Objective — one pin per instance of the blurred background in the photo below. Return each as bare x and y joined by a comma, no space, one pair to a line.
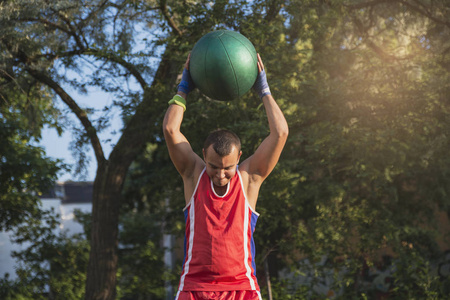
357,208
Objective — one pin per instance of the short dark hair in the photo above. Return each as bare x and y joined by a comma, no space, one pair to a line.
222,141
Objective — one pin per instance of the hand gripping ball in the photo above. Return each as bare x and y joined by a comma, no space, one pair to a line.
223,65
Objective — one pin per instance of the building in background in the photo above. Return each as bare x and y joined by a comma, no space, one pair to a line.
64,199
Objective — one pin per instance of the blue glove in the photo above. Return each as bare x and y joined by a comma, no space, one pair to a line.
186,85
261,85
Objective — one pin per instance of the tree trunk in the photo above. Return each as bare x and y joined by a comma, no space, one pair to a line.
102,268
266,272
139,130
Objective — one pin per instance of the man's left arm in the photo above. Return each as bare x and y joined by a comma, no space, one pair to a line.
265,158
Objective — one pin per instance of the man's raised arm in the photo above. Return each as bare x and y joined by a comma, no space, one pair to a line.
262,162
180,151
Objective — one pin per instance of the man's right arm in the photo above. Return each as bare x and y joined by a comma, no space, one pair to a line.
186,161
180,151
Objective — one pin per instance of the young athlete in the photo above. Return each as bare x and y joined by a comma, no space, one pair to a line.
221,198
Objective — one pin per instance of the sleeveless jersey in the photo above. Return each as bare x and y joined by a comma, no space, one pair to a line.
219,247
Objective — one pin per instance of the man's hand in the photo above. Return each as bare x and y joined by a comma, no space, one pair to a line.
261,85
186,85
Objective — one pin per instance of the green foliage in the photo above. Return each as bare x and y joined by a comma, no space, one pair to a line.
14,290
364,86
26,106
52,264
25,171
413,277
142,273
281,290
364,167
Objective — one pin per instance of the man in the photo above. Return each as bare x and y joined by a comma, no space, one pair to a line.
221,198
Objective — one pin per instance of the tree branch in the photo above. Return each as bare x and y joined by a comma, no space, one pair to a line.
273,10
383,55
137,131
72,31
96,12
119,60
170,21
424,13
80,113
367,4
417,9
98,54
45,22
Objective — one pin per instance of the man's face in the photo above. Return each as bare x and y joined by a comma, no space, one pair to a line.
221,169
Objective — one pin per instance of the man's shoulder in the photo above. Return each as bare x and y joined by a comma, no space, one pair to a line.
196,172
247,176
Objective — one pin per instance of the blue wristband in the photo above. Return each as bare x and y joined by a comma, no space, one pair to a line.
186,85
261,85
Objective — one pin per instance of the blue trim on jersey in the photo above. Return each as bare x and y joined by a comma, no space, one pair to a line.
186,211
254,219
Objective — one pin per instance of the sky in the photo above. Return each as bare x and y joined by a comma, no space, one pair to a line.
58,147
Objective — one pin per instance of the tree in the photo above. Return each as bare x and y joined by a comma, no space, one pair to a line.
54,264
360,140
25,107
364,87
357,150
44,40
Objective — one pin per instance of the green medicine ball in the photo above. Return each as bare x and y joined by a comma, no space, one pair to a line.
223,65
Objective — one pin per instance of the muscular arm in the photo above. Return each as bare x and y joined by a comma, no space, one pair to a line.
258,166
266,156
180,151
186,161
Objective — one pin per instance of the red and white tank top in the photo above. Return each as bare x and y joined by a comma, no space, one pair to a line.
219,251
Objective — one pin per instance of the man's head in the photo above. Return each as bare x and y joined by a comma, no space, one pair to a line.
221,152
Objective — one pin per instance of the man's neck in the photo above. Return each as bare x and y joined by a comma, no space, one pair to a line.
220,190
